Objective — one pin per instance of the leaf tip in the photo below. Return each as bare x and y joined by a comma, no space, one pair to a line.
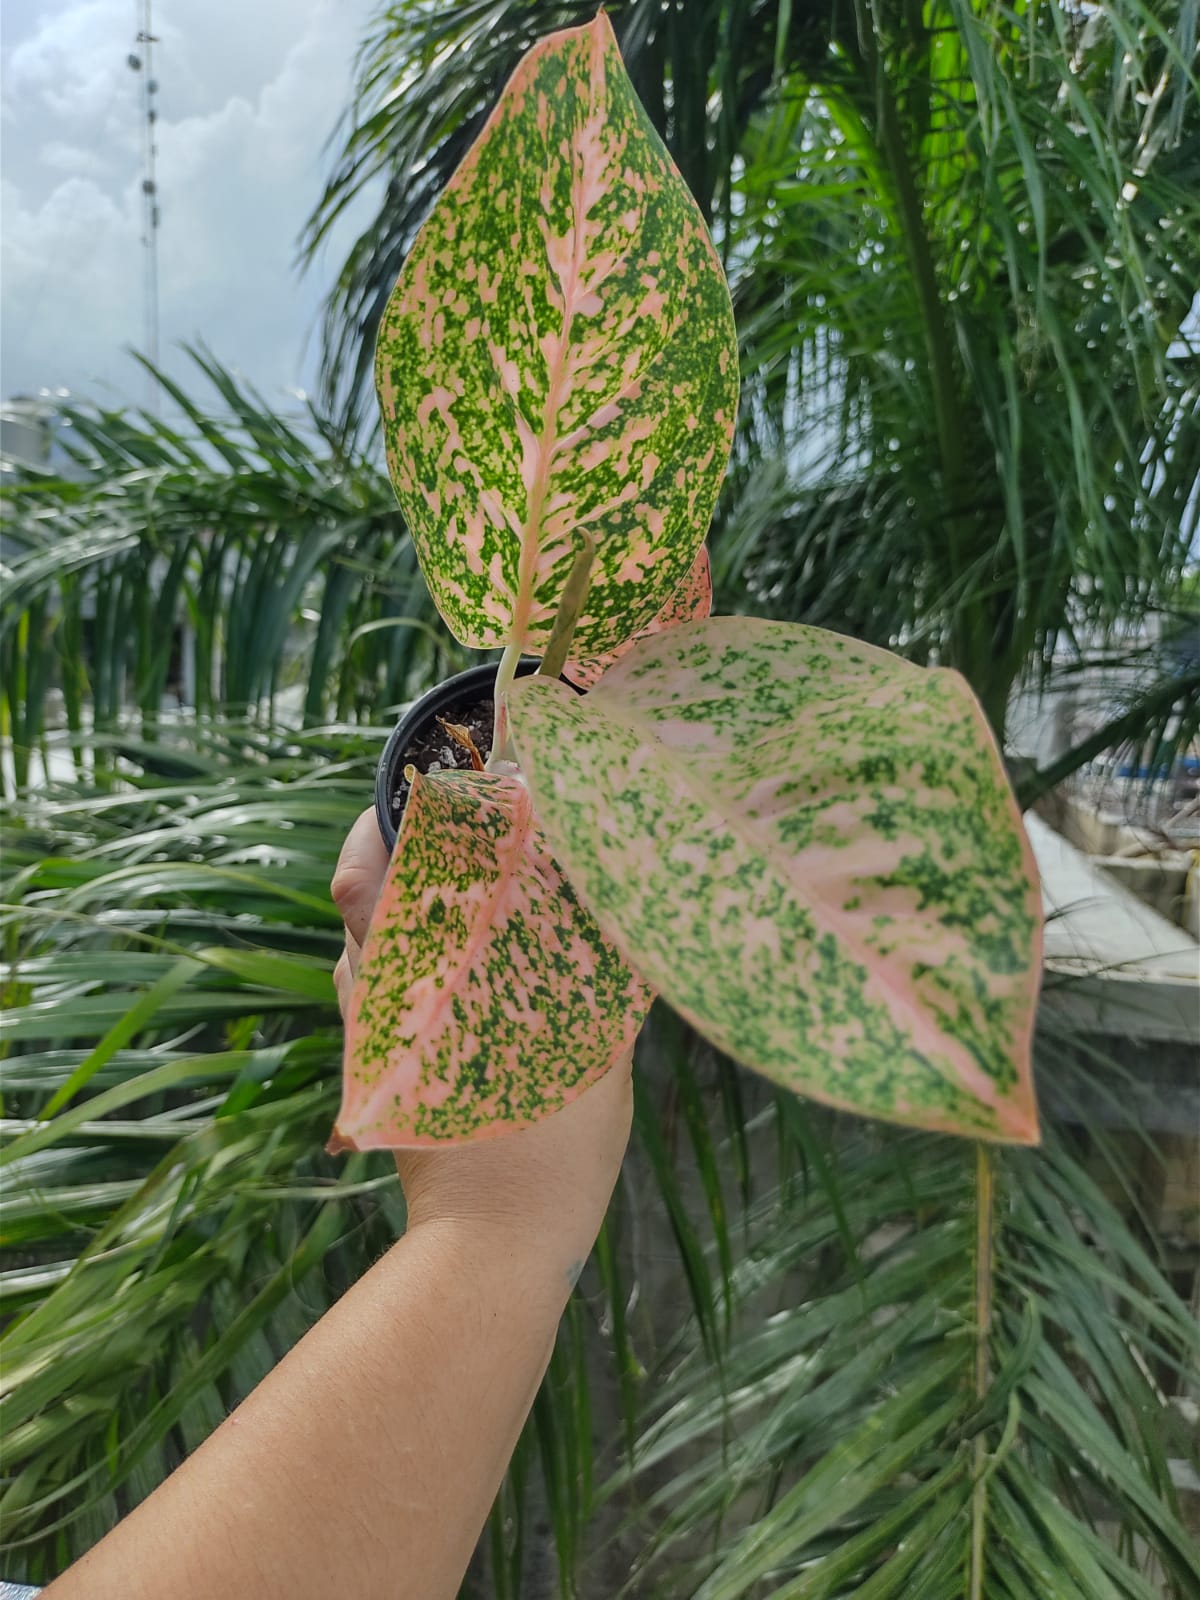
1019,1124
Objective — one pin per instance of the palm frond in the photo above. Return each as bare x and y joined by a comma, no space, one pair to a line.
963,247
172,1060
172,1071
283,559
974,1402
963,268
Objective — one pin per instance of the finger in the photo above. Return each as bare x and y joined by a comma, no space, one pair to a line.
343,983
359,875
345,971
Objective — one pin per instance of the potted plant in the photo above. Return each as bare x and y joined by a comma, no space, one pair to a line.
806,844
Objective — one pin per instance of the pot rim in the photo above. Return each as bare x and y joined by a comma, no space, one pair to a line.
421,712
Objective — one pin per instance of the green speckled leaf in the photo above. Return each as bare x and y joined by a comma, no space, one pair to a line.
692,600
559,355
810,847
486,996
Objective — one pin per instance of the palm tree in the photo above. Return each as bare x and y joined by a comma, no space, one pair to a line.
963,244
906,1368
840,1415
947,1446
171,1227
282,553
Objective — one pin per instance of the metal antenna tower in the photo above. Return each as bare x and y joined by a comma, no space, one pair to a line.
141,60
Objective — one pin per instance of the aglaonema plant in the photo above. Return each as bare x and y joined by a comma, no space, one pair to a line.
807,845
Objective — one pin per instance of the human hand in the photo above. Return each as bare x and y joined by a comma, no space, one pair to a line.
548,1185
377,1445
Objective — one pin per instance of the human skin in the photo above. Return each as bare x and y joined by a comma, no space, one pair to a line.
365,1464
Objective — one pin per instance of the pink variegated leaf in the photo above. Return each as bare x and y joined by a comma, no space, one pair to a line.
558,358
691,601
811,848
486,996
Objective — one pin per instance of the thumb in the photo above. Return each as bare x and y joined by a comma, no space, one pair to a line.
358,877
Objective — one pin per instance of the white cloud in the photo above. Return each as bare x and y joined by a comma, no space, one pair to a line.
244,110
74,66
74,159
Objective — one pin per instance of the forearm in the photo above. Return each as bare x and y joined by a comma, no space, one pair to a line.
365,1464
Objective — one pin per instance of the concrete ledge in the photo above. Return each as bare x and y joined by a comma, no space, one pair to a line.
1125,1005
1159,881
1113,964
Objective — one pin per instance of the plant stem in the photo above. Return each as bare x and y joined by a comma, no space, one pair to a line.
505,673
909,216
984,1266
569,607
555,659
971,648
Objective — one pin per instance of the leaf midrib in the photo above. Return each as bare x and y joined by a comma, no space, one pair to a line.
531,529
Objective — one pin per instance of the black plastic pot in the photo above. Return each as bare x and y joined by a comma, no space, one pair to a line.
474,684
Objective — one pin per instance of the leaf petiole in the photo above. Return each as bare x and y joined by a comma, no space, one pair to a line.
570,608
501,743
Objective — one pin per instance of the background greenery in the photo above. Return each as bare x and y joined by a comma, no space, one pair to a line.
962,240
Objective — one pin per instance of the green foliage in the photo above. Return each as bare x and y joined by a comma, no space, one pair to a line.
284,555
963,241
172,1228
168,932
861,1439
970,247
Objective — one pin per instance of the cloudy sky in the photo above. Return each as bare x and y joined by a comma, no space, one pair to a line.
247,97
